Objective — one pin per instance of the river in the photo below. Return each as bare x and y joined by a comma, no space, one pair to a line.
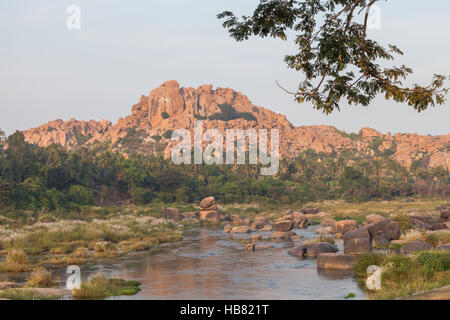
210,264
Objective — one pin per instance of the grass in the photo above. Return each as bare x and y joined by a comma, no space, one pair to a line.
405,275
40,278
102,287
16,261
25,294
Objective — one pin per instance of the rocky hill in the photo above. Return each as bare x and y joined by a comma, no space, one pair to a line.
170,107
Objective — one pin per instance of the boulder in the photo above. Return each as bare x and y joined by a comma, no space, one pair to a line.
241,229
328,222
280,235
173,214
209,215
344,226
207,202
361,233
313,249
334,261
419,224
283,225
445,215
357,245
391,231
256,237
300,220
250,247
372,218
327,230
227,228
262,220
416,245
439,226
257,226
267,227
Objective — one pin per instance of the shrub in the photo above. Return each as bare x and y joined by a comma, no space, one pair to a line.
40,278
431,239
365,260
434,261
398,270
165,115
404,221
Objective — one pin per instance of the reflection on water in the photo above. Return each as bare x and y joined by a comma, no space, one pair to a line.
209,264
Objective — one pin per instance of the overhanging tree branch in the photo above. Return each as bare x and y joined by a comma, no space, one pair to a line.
331,54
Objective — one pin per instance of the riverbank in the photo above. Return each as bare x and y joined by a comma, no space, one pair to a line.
100,236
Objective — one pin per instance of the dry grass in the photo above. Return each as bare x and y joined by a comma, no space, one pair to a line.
40,278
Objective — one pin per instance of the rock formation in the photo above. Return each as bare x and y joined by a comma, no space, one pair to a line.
171,107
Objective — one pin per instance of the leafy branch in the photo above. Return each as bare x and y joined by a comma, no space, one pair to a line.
334,53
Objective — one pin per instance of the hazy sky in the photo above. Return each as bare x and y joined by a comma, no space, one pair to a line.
126,48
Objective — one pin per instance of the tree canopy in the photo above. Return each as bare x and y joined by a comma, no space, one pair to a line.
337,58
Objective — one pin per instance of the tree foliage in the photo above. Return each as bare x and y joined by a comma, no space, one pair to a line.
335,54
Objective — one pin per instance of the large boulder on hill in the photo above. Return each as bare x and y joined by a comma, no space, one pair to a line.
344,226
439,226
358,245
283,225
416,245
207,202
335,261
313,249
173,214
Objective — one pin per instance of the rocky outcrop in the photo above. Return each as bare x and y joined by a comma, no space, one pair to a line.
171,107
313,249
208,209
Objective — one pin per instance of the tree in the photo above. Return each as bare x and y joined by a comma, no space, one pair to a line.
337,58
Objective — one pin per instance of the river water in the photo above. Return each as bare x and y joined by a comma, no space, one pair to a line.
210,264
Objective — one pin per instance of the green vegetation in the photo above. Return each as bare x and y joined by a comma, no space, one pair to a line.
101,287
405,275
165,115
227,113
25,294
46,183
337,58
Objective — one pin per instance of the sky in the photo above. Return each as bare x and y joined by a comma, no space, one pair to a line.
126,48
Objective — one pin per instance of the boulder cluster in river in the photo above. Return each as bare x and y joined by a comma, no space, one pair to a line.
375,231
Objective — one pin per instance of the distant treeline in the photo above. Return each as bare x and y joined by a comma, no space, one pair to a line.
52,178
